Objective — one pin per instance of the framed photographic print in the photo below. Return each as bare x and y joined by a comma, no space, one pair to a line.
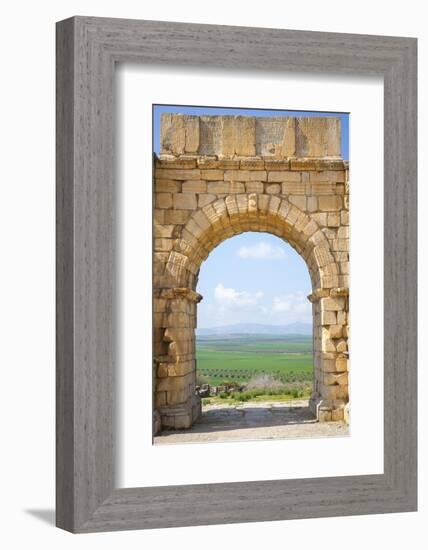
236,274
273,177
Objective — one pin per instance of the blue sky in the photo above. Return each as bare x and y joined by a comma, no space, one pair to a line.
253,277
159,109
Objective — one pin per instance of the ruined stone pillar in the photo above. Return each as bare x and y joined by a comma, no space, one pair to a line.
174,363
330,337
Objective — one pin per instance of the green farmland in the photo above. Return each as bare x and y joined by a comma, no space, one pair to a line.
241,357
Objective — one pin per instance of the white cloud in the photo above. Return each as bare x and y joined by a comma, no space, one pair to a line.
229,306
261,251
294,304
281,305
229,297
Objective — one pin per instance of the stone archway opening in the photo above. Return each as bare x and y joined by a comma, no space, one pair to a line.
222,176
254,336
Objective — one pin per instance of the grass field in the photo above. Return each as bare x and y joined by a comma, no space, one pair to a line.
238,358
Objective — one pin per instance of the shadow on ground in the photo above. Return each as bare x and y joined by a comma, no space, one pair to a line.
46,515
250,421
231,418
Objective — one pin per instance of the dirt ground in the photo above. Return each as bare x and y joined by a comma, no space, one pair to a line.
252,421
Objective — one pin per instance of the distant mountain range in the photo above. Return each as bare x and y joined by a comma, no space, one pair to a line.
254,328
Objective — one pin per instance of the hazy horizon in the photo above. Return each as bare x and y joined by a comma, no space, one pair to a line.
254,324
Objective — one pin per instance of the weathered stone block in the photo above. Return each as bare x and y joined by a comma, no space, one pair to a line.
176,216
178,174
341,345
159,215
160,398
344,281
293,188
273,188
333,304
329,378
254,187
205,198
175,397
163,200
276,165
192,134
324,416
298,200
312,204
289,145
340,245
236,175
341,364
252,164
212,175
259,175
182,421
209,162
163,231
218,187
344,217
341,317
194,229
173,134
282,176
167,186
320,218
242,203
335,176
231,206
330,203
330,392
236,187
318,137
333,219
163,245
343,232
252,203
328,318
323,188
195,186
347,413
245,136
322,255
337,415
310,228
303,165
184,201
342,392
170,161
335,331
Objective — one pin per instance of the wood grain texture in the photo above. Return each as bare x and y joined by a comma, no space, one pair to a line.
64,278
87,49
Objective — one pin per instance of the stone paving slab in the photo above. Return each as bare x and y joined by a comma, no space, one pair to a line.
253,421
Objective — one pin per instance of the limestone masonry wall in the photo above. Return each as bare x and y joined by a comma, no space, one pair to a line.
220,176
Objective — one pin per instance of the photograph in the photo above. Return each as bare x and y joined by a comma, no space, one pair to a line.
250,274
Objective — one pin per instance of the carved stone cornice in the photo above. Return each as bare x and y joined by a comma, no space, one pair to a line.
180,292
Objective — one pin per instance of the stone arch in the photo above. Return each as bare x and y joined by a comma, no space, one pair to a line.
202,200
234,214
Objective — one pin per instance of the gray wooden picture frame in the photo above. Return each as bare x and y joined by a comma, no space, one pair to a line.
87,50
